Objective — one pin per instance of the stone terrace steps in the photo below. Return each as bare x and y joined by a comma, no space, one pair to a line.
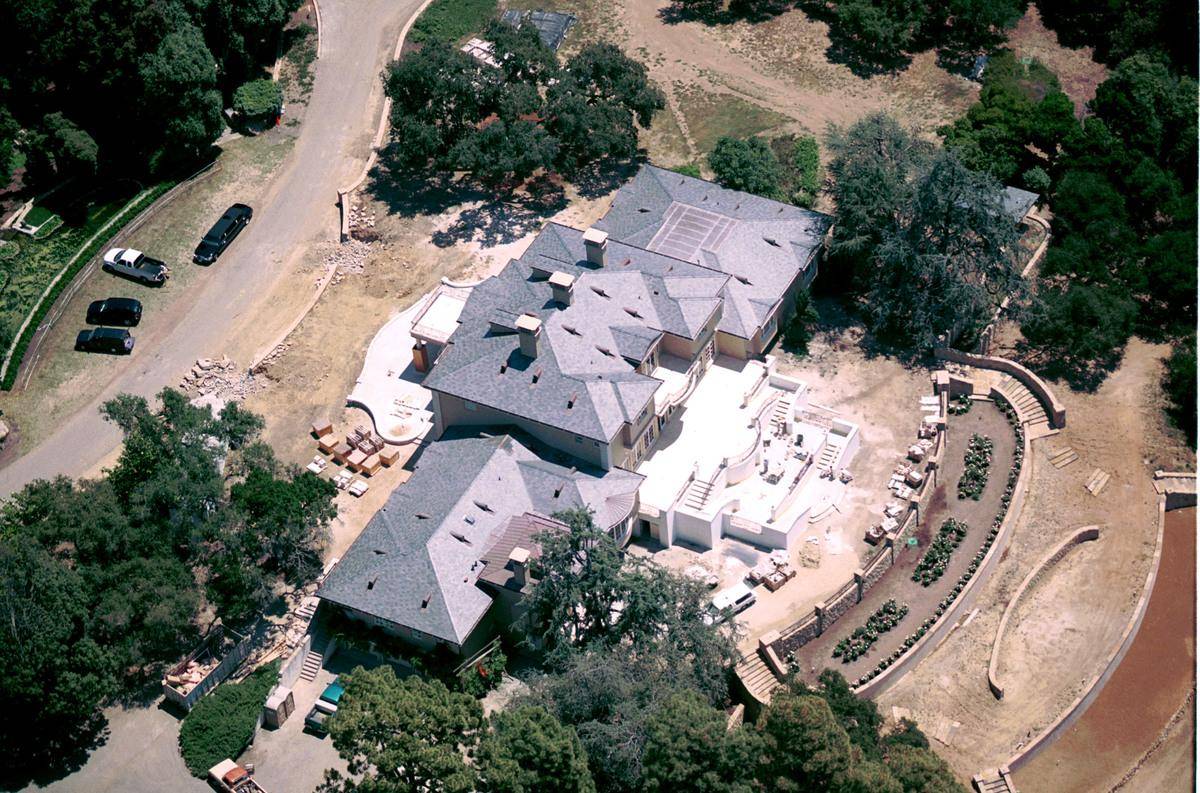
1061,458
757,677
1029,409
829,455
993,782
1097,481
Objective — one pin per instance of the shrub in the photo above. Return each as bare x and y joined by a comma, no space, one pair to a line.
480,678
688,169
258,100
976,463
221,725
863,638
746,164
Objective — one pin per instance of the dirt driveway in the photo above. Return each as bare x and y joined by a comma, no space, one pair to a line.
234,310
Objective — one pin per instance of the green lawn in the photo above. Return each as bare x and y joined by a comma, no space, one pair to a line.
36,216
709,116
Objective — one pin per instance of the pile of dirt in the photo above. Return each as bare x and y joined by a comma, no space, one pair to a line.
349,258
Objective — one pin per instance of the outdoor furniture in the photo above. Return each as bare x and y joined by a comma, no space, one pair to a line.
916,453
317,465
893,510
341,452
845,477
322,428
358,488
875,535
342,480
914,479
775,580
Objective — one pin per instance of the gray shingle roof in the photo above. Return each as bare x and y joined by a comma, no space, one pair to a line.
585,383
762,243
1018,202
418,560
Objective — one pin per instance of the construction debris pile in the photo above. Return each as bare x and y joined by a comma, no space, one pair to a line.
349,259
195,671
361,218
219,377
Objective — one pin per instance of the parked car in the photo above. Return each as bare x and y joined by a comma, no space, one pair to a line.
317,720
136,266
116,341
123,311
729,602
236,218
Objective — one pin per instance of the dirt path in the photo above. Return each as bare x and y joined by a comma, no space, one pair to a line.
1155,676
1062,637
238,306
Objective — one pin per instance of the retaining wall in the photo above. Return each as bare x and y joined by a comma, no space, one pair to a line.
1094,686
1055,410
1085,534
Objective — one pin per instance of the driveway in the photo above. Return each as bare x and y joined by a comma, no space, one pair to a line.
357,39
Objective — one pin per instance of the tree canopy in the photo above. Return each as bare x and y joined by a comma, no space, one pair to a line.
452,113
106,579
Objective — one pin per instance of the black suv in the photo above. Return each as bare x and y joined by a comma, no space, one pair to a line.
236,218
111,340
123,311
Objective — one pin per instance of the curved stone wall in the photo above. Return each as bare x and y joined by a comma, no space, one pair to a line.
1085,534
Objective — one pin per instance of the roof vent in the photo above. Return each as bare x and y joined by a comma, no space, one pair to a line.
460,537
482,505
469,519
422,516
627,262
425,601
644,210
604,351
633,312
503,367
537,374
571,399
380,552
558,490
371,583
571,329
599,291
771,241
743,279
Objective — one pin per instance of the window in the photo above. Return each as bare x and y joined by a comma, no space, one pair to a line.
578,439
470,405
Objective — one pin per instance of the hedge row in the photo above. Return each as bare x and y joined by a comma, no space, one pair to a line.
222,724
451,20
22,345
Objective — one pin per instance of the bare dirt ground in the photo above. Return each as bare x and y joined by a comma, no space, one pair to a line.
1076,69
1171,768
1075,618
1154,679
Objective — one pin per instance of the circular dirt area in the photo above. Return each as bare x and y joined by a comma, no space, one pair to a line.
1147,689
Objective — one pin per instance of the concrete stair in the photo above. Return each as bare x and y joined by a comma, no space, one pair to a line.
757,677
779,416
697,494
829,455
316,656
994,782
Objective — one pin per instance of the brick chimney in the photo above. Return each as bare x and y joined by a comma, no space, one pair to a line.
518,562
594,242
529,329
562,286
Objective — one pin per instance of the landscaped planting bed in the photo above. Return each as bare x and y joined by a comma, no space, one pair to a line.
959,405
976,465
937,557
864,637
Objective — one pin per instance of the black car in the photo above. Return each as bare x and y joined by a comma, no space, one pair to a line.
236,218
124,311
111,340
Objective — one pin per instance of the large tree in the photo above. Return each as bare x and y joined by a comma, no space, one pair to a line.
807,750
689,746
528,750
948,262
746,164
406,735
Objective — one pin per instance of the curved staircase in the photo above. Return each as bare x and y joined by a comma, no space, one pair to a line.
756,677
1029,408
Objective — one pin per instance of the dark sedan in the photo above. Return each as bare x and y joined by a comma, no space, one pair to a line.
123,311
236,218
116,341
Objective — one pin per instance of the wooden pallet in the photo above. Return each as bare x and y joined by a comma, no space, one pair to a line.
1061,458
1096,482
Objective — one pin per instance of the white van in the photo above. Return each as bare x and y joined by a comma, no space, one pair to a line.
733,600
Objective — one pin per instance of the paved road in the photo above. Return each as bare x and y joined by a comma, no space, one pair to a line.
357,38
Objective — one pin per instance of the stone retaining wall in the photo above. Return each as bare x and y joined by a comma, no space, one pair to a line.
1094,686
1085,534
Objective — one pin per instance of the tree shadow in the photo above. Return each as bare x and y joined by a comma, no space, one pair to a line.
55,759
863,60
604,176
1080,374
506,218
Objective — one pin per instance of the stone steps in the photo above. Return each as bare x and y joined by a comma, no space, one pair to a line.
1063,457
1096,482
757,677
697,494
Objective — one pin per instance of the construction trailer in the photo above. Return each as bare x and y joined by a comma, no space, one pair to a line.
221,652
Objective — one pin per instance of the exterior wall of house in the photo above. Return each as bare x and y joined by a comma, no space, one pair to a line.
733,346
450,411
